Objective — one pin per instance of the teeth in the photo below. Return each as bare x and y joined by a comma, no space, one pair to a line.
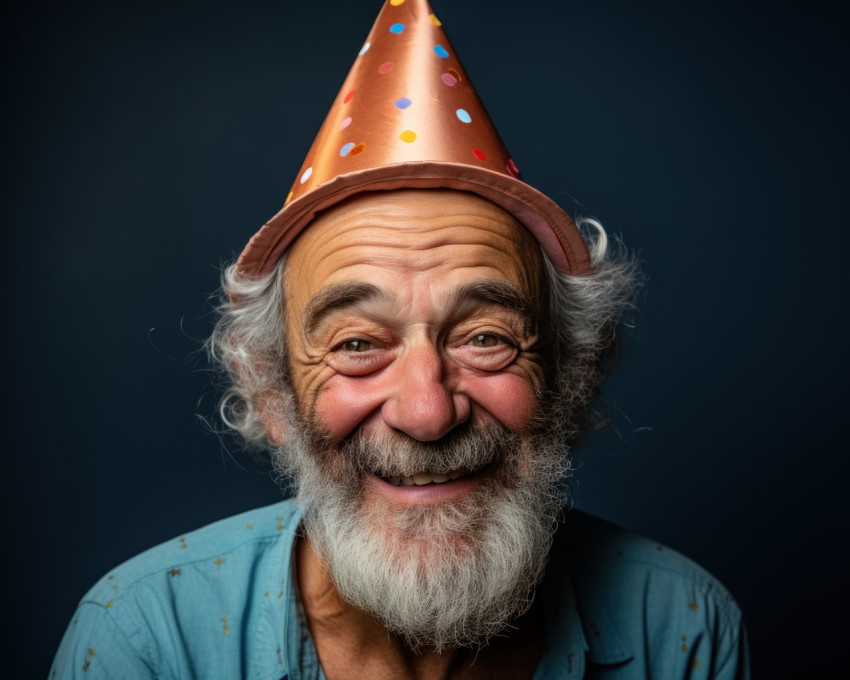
455,475
422,478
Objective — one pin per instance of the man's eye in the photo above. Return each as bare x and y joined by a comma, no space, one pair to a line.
356,346
485,340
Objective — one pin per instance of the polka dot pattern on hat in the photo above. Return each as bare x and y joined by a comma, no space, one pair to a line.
405,76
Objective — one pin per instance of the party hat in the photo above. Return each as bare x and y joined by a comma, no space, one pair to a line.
407,117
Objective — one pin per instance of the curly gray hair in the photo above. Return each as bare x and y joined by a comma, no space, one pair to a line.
248,342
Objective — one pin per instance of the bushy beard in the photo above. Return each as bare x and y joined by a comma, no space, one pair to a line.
439,576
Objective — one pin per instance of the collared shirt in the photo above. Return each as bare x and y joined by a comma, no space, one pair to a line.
221,602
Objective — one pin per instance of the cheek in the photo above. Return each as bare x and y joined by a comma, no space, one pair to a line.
344,402
506,397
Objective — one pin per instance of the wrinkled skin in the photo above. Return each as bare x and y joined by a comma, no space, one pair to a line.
410,312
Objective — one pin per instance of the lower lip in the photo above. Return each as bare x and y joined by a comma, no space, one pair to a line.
427,494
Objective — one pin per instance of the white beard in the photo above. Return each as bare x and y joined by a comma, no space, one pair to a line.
439,576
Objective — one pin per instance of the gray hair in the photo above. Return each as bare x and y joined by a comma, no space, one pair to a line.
248,343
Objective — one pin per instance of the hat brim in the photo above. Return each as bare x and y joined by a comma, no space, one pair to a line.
549,224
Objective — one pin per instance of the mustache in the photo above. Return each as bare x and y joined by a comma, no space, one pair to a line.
469,448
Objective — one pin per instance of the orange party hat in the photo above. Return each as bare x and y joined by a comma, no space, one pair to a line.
407,117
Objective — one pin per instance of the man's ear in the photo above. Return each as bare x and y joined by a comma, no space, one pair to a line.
272,410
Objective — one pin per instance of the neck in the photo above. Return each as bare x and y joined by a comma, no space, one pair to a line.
347,638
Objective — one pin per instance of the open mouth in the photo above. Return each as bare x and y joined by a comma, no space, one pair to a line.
430,478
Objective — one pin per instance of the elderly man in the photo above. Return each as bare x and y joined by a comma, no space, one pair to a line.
417,337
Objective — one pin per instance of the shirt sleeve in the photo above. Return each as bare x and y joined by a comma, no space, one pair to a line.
95,647
735,664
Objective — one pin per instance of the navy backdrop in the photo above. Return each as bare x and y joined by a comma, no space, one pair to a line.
145,142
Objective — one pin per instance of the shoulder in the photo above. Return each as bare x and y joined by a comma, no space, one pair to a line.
190,600
246,535
645,601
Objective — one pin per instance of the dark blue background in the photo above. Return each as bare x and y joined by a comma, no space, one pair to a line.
145,143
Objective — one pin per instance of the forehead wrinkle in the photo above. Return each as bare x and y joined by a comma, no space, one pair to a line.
336,297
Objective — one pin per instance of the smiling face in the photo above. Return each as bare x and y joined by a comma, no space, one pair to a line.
412,336
413,312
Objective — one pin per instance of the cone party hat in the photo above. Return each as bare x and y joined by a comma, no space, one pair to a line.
407,117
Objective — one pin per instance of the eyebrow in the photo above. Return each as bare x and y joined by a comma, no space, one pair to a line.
335,297
494,291
340,296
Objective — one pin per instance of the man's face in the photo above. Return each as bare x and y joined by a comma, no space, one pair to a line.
413,312
411,327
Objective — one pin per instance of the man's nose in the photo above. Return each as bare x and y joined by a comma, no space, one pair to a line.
423,403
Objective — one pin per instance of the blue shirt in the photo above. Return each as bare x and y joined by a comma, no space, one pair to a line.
221,602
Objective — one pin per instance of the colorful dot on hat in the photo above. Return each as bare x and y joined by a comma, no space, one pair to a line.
348,97
479,154
403,103
346,148
345,123
441,51
306,175
454,74
365,48
396,3
288,198
396,28
386,67
449,79
512,169
358,149
407,136
463,115
435,20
